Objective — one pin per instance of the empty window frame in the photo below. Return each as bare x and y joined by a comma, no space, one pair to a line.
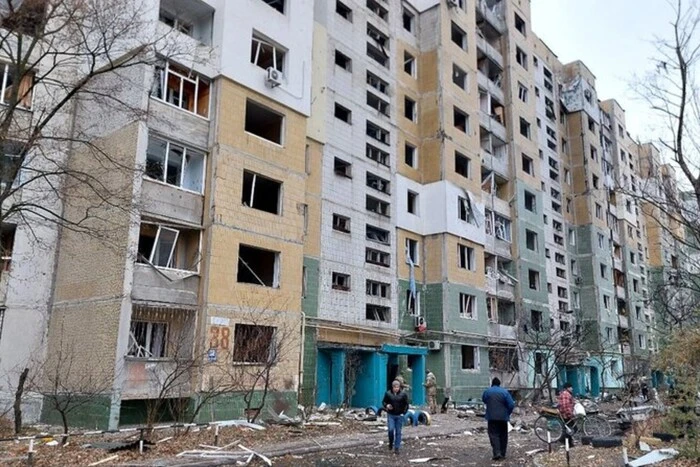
169,247
470,357
276,4
459,37
17,86
376,132
521,57
265,54
340,281
174,164
466,257
378,183
463,165
254,344
341,223
410,109
530,201
378,55
343,61
7,241
409,20
342,168
183,89
409,64
342,113
413,302
531,240
258,266
522,92
464,210
376,257
460,120
375,234
377,206
343,10
533,278
377,83
264,122
459,77
528,164
410,155
412,202
467,306
412,252
524,128
377,9
536,320
520,25
261,193
377,103
378,289
377,313
377,155
147,339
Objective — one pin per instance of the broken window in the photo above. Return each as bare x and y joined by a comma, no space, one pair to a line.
528,164
341,281
377,83
408,20
467,306
377,206
520,25
459,37
470,357
377,155
264,122
540,364
522,92
376,234
378,183
533,279
343,113
253,344
413,303
377,9
504,359
378,133
378,104
409,108
276,4
258,266
377,257
412,254
261,193
410,156
7,241
341,223
459,77
377,54
521,57
524,128
502,228
464,211
409,64
174,164
536,320
343,61
378,289
462,165
530,202
377,313
342,168
16,88
147,339
412,202
265,54
169,247
466,257
181,88
531,240
460,120
343,10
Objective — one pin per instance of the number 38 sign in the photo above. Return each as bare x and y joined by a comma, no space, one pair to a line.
219,337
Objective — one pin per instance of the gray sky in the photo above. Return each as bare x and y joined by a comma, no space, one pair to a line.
613,38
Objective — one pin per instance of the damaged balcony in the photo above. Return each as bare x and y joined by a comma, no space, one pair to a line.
492,115
494,154
498,234
167,265
499,281
501,316
489,14
159,357
488,44
492,87
491,69
504,363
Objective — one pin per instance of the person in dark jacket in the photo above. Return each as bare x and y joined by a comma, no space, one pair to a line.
396,405
499,406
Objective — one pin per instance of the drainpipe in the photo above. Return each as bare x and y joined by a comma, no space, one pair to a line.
301,356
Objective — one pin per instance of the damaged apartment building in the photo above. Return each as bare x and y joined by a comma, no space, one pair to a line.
346,190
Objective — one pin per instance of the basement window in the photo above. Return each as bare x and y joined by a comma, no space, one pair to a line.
169,247
265,54
343,113
377,155
377,206
182,88
263,122
147,339
174,164
470,357
344,11
342,168
377,257
258,266
378,183
462,165
460,120
253,344
341,281
467,306
343,61
378,289
378,235
341,223
377,313
459,37
276,4
261,193
378,104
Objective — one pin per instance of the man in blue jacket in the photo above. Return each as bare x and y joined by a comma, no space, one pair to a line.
499,406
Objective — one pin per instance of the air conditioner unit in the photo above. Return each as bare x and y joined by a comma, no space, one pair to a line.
420,324
434,345
274,77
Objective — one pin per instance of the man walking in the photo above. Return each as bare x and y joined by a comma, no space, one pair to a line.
431,388
565,404
396,405
499,406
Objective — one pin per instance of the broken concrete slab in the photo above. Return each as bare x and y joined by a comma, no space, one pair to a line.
654,457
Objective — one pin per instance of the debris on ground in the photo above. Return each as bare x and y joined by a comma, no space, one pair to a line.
654,457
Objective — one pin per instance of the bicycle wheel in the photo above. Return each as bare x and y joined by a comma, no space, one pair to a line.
549,424
596,427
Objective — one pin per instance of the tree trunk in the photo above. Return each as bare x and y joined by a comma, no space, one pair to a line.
18,400
64,421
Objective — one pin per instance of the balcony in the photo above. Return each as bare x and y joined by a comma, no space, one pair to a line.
172,286
488,50
502,331
617,263
168,202
495,204
492,12
623,321
489,122
489,86
499,288
620,291
145,378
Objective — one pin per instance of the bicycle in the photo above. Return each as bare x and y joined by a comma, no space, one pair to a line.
550,421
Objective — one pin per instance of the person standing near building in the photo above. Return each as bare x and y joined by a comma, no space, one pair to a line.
396,405
431,388
565,404
499,406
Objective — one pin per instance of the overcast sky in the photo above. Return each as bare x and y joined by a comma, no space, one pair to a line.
613,38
